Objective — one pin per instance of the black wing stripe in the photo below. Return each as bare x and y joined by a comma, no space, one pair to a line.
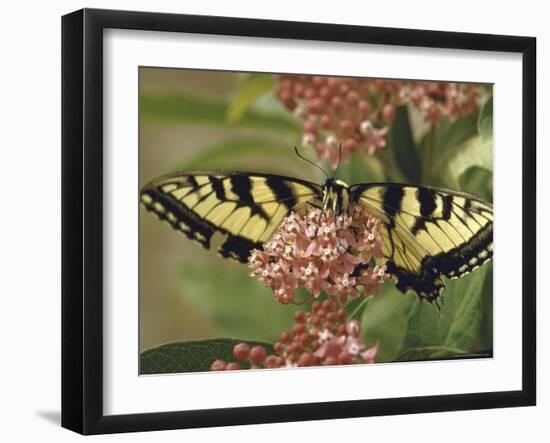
283,192
447,201
193,182
426,197
241,185
393,209
391,202
217,186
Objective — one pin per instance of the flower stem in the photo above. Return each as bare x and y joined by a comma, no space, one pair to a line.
360,307
304,301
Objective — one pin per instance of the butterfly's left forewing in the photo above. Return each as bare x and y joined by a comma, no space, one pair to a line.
428,232
231,213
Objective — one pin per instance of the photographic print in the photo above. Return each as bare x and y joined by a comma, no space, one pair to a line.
291,220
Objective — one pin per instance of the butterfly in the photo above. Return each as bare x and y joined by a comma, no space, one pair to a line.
427,232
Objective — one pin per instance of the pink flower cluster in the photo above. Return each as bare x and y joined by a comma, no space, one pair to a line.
358,112
322,252
323,336
351,110
438,99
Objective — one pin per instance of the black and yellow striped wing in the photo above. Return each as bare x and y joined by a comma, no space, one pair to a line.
428,232
229,212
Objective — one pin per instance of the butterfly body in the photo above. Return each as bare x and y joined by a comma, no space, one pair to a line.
427,232
336,196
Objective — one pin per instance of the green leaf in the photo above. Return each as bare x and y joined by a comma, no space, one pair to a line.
357,306
429,353
191,110
485,339
191,356
474,152
441,143
385,320
239,305
240,152
249,89
448,135
477,181
457,325
362,169
465,149
404,147
485,121
386,167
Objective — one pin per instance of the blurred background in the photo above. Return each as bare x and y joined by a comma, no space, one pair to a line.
213,120
187,292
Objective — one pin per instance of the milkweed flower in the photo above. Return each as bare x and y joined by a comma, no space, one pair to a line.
320,251
323,336
435,100
334,109
357,113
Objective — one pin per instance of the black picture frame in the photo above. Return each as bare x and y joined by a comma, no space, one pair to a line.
82,219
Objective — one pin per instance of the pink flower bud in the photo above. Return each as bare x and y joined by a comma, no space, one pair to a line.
353,328
363,107
326,121
257,355
388,112
218,365
346,127
241,351
316,106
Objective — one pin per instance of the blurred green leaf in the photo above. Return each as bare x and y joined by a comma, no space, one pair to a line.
239,305
448,135
446,139
387,171
191,110
477,181
462,145
485,121
237,150
404,147
249,89
474,152
385,320
429,353
191,356
484,340
362,169
269,104
457,325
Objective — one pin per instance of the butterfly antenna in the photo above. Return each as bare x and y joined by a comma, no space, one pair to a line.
309,161
339,160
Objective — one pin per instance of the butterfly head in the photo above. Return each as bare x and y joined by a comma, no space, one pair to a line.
335,192
335,195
